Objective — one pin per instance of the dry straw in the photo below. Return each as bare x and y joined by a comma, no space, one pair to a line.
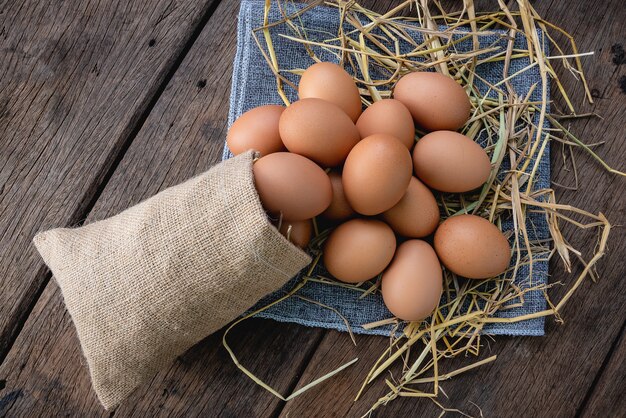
467,306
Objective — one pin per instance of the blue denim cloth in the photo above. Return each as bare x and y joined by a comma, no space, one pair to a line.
253,84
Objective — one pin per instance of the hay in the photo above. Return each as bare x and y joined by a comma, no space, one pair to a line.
455,327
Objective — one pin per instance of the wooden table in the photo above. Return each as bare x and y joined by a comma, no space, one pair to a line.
103,104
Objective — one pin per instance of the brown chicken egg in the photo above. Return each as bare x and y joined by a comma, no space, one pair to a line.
332,83
450,162
413,282
376,174
318,130
416,214
298,232
339,208
256,129
291,185
359,250
388,116
472,247
435,101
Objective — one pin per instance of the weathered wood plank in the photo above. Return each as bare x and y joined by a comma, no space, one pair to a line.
607,397
547,376
75,81
182,137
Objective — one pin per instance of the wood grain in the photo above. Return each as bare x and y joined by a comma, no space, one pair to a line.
75,81
182,136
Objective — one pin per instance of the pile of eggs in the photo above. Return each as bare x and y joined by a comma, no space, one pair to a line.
322,156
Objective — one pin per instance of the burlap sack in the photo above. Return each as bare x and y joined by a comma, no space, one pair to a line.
144,286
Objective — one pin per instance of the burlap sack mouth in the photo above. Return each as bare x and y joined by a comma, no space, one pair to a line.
145,285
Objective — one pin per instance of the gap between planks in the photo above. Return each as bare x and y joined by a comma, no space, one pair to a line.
80,215
592,388
297,377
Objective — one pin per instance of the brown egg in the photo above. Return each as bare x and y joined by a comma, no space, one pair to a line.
359,250
339,208
416,214
472,247
332,83
256,129
413,282
388,116
435,101
376,174
318,130
292,185
450,162
298,232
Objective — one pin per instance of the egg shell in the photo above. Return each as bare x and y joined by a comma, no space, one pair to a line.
413,282
291,185
472,247
359,250
339,208
298,232
435,101
318,130
388,116
450,162
416,215
376,174
257,129
332,83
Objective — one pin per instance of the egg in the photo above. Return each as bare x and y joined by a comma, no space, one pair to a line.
450,162
472,247
388,116
339,208
318,130
256,129
413,282
376,174
332,83
435,101
416,214
298,232
291,185
359,250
